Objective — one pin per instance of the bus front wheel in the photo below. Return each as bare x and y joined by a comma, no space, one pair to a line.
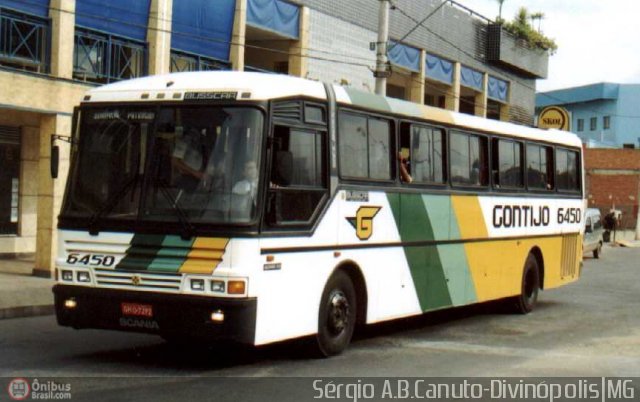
337,315
530,287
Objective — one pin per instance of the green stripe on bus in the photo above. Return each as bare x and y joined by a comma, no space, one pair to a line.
172,255
424,261
141,253
452,256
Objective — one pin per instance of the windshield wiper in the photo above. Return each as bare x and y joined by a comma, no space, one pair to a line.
187,227
108,206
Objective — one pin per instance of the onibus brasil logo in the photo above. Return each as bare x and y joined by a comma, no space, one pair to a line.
19,389
363,221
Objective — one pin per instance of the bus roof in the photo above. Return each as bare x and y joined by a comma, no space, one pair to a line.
261,86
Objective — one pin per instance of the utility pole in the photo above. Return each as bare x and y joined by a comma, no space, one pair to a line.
382,72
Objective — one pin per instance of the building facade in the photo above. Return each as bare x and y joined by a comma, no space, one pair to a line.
613,182
52,51
602,115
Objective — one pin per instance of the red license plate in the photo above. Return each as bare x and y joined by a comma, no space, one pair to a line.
136,309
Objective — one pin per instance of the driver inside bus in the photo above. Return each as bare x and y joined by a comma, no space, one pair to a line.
249,184
188,159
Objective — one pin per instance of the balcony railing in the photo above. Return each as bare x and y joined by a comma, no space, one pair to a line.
190,62
105,58
24,41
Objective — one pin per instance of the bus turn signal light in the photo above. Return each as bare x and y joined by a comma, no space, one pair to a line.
236,287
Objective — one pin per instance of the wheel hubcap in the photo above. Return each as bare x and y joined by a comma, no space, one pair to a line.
338,318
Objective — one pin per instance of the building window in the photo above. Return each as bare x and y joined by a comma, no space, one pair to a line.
9,180
364,146
181,62
24,41
593,124
606,122
580,125
105,58
468,155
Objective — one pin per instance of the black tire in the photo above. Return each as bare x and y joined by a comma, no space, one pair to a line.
597,251
530,287
337,315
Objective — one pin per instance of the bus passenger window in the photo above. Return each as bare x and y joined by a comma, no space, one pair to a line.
539,167
507,164
365,147
567,170
423,148
468,155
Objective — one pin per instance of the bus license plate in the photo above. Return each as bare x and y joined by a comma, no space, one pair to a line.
136,309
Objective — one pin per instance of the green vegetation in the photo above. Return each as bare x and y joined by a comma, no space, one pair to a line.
523,30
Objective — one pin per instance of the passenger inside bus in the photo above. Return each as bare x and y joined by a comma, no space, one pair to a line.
405,166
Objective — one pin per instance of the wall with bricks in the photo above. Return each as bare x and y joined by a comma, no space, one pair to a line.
613,180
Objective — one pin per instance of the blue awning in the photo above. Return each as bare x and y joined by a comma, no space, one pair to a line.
274,15
497,89
439,69
125,18
34,7
471,78
203,27
404,56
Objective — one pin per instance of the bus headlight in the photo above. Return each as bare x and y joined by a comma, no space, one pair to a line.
67,275
197,285
83,276
217,286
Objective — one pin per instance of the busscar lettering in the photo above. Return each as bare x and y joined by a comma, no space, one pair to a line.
520,216
210,96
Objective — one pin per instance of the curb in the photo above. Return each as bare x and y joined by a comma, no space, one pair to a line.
26,311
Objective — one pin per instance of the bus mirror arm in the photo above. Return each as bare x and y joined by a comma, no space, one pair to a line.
55,153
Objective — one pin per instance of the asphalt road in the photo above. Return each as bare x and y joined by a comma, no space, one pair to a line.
590,328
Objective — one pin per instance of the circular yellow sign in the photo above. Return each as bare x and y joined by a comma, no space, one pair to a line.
554,117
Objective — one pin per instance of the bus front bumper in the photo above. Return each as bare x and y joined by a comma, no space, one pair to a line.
170,315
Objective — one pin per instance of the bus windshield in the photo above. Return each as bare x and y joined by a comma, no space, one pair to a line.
183,164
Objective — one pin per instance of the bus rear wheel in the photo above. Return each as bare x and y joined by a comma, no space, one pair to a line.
530,287
337,315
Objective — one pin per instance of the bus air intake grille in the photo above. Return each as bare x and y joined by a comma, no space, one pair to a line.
157,282
569,251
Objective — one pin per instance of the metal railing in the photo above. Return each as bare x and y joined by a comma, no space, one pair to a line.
105,58
24,41
181,61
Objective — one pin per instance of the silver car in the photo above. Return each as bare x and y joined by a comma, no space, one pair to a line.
593,232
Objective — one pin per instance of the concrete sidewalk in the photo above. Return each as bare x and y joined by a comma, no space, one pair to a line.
22,294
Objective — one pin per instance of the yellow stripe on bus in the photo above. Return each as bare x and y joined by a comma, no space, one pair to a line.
205,256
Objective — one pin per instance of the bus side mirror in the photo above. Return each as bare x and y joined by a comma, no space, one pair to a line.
282,168
55,161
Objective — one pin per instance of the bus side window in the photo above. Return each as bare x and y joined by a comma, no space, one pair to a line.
297,182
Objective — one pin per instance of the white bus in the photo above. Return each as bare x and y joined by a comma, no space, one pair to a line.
259,208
